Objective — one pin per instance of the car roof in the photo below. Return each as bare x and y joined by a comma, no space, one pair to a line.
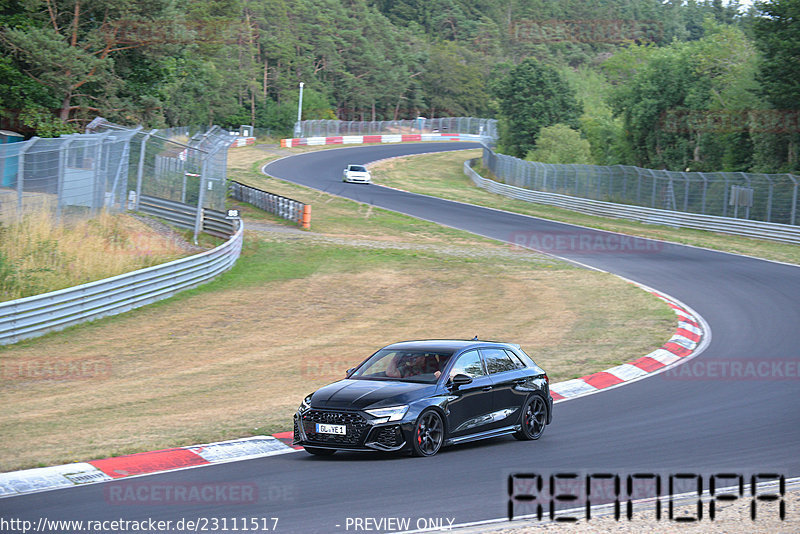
450,345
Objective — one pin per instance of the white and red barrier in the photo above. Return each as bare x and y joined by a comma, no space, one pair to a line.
243,141
377,138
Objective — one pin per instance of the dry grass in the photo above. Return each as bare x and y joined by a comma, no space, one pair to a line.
38,255
235,357
236,361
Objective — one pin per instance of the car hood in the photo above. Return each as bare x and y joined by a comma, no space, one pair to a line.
360,394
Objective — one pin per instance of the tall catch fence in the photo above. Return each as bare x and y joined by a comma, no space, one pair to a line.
111,167
465,125
749,196
739,195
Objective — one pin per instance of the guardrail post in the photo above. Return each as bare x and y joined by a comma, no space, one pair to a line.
793,216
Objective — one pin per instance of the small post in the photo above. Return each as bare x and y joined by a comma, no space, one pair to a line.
307,216
298,132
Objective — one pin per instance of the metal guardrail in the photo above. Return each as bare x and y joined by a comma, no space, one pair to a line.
185,215
743,227
283,207
34,316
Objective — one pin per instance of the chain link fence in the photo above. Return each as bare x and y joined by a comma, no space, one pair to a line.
465,125
758,197
750,196
110,167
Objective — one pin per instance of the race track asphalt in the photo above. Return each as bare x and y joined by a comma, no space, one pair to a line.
663,424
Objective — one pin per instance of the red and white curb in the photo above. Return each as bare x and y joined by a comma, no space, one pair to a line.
145,463
689,336
385,138
683,344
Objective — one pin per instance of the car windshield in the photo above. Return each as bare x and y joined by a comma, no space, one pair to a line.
358,168
403,365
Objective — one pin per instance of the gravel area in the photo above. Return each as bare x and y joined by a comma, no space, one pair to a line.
285,233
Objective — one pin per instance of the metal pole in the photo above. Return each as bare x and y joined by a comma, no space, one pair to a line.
769,198
794,201
298,128
21,175
140,170
198,220
62,164
705,188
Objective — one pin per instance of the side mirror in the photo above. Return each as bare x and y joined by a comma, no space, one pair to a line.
349,372
460,380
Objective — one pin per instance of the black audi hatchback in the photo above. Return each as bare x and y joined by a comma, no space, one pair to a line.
419,396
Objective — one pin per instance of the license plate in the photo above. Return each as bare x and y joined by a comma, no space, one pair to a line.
339,430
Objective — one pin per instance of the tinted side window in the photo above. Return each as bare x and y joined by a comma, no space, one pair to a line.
497,361
516,359
468,364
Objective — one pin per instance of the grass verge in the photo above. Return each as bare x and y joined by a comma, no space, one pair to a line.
38,255
234,357
442,175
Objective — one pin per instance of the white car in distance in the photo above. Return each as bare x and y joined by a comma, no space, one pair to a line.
357,174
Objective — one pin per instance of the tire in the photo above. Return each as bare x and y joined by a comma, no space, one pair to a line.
319,452
428,433
534,419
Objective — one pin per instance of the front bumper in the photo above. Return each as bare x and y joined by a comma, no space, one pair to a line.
362,434
358,179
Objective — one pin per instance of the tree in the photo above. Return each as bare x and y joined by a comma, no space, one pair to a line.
533,96
560,144
68,47
453,83
777,34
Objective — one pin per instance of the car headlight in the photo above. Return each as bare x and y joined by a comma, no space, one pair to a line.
305,405
384,415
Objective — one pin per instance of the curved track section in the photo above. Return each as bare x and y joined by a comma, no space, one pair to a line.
681,424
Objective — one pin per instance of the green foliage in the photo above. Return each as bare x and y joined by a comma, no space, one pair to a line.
777,36
44,123
532,64
533,96
670,104
560,144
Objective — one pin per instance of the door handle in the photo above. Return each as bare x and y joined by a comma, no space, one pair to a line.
487,388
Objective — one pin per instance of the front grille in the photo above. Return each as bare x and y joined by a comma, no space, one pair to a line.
356,425
387,436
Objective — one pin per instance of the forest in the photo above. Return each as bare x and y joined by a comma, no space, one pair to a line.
681,85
